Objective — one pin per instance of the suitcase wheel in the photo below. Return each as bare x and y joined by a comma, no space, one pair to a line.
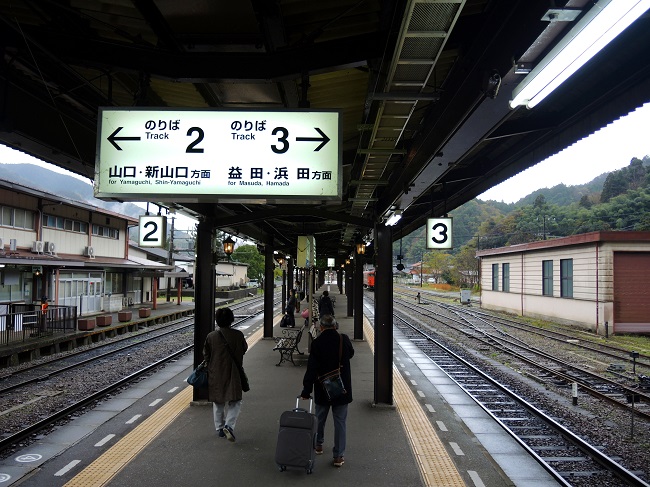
282,468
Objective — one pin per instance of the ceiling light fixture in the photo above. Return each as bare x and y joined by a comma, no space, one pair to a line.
598,27
394,218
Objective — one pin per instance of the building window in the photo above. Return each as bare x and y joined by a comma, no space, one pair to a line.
566,278
505,278
60,223
495,277
16,218
114,283
547,277
101,231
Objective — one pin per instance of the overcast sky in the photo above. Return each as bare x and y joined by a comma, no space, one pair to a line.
610,148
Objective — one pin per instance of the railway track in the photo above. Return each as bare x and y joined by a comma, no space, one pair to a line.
37,397
538,363
571,460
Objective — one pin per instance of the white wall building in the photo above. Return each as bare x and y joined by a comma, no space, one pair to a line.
73,253
596,280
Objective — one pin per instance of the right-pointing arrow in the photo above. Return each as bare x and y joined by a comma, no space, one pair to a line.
323,139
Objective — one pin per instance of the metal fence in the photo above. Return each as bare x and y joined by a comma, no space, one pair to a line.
25,321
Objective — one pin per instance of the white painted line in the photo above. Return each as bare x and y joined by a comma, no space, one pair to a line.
456,448
155,402
421,394
105,440
430,408
475,478
406,372
413,382
402,365
67,468
133,419
172,390
442,426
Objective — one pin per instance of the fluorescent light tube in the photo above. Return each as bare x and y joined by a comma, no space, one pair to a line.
394,218
599,26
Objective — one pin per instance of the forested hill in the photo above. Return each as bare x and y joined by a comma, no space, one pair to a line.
37,177
619,200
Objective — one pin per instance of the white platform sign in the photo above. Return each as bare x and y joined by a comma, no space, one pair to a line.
206,155
152,231
439,233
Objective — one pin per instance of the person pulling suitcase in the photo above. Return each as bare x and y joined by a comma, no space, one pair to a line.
330,352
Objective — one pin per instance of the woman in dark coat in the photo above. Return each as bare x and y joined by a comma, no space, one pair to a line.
291,308
224,382
325,305
323,358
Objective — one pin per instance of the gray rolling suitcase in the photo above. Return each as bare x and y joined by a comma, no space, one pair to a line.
297,439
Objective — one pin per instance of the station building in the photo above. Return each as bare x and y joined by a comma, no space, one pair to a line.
599,281
73,253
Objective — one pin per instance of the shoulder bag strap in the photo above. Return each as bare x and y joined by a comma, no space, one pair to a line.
340,349
232,355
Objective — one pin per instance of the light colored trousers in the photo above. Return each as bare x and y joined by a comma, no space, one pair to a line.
226,414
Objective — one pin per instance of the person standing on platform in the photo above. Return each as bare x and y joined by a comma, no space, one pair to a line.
329,351
325,305
44,306
224,382
291,308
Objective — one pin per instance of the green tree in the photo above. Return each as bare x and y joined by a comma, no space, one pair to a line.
436,263
465,266
248,254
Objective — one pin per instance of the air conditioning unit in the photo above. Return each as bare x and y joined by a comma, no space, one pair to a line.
89,252
50,248
37,246
13,243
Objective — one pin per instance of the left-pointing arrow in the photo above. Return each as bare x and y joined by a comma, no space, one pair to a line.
323,139
113,137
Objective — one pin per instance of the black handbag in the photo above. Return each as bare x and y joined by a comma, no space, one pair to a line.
199,377
332,381
245,386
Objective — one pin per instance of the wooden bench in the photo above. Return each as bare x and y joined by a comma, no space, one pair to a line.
287,344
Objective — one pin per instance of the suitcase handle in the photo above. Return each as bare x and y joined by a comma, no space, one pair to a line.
311,401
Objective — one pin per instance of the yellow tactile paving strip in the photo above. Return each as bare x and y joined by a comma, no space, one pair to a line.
436,466
104,468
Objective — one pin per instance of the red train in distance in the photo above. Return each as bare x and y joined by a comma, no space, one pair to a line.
369,280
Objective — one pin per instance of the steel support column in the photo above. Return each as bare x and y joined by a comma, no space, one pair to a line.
358,297
383,316
269,266
283,298
204,294
349,289
290,278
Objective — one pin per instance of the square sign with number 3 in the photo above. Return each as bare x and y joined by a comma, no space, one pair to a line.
439,233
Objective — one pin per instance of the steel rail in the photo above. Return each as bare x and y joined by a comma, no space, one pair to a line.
608,463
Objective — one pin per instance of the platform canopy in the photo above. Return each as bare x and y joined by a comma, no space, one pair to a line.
421,89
